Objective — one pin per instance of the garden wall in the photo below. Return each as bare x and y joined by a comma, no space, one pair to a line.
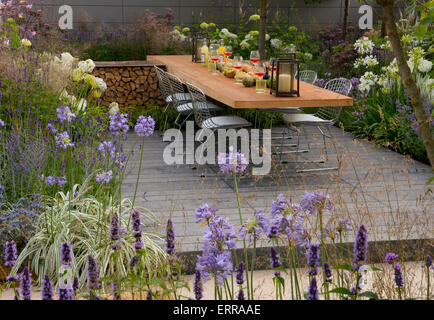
129,83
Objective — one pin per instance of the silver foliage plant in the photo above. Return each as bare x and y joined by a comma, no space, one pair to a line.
80,219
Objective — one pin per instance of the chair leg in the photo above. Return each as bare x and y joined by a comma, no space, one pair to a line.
165,119
185,120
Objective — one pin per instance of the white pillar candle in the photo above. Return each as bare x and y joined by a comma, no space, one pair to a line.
284,83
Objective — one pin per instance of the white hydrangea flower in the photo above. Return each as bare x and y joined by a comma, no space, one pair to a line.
102,86
276,43
308,56
86,66
424,66
267,37
244,44
364,45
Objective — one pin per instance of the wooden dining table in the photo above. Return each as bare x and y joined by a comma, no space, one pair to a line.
225,90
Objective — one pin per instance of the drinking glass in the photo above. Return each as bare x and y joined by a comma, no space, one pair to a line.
214,56
254,57
228,52
261,84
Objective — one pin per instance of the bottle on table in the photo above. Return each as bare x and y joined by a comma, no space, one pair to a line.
222,51
204,53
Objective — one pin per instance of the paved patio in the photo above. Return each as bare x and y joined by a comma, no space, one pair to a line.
380,188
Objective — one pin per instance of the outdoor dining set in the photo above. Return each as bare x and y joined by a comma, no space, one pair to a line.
185,87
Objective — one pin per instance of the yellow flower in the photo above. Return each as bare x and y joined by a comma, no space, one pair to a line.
26,42
254,17
96,94
90,80
77,75
292,29
254,33
186,29
204,25
177,27
212,25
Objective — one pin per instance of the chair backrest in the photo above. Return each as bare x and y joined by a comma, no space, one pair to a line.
163,82
176,87
200,106
308,76
340,85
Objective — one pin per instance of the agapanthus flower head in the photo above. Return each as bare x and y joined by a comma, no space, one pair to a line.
104,177
344,225
253,229
63,140
390,257
399,277
26,284
119,123
316,202
240,273
273,230
65,114
313,259
47,289
61,180
10,253
144,126
312,290
198,288
66,254
204,213
114,230
360,249
232,161
108,148
170,238
284,206
2,123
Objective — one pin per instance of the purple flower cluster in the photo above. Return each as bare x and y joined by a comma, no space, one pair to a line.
204,213
240,280
93,277
198,288
10,253
66,254
65,294
360,249
2,123
104,177
232,162
316,202
26,284
47,289
313,259
65,114
170,238
344,225
51,180
327,272
399,277
63,140
219,240
390,257
137,229
312,290
275,261
115,231
108,147
253,229
428,262
119,123
144,126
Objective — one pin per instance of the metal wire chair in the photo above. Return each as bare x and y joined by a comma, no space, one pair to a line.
323,119
308,76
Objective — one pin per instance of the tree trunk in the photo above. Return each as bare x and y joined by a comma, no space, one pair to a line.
345,24
425,129
262,28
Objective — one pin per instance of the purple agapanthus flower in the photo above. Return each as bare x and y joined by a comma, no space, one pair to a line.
312,290
63,141
51,128
65,114
313,259
47,289
108,147
61,180
232,162
144,126
399,277
170,238
390,257
360,249
104,177
344,225
114,230
198,288
10,253
253,229
119,123
316,202
2,123
204,213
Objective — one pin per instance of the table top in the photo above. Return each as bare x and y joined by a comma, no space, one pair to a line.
224,89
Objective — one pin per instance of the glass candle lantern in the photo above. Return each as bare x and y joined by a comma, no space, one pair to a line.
283,82
198,41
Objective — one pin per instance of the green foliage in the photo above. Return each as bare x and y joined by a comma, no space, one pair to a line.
116,50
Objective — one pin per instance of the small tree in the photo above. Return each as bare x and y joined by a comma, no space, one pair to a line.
262,27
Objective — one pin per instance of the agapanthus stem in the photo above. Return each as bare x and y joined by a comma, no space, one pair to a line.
138,174
427,283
